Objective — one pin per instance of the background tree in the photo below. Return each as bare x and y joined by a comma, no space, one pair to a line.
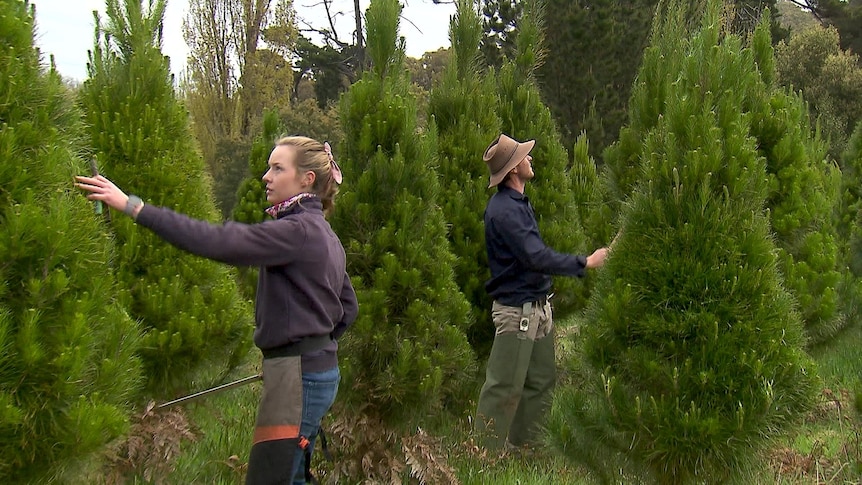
406,358
693,350
68,364
500,25
427,71
793,18
524,116
238,66
463,106
844,15
593,53
830,79
190,307
332,67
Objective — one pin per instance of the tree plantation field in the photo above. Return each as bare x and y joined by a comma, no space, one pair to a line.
720,149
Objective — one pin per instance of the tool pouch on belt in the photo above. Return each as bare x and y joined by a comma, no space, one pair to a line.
276,433
526,313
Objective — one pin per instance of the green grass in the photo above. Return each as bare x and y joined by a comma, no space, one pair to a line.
826,447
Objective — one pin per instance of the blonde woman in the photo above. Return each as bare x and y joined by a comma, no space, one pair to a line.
305,301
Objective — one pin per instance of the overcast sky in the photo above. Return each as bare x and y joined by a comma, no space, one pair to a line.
64,28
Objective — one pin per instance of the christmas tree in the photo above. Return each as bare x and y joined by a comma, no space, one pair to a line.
693,349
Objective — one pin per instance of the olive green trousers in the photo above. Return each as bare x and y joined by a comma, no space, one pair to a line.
519,378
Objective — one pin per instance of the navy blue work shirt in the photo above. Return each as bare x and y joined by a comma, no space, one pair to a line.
520,262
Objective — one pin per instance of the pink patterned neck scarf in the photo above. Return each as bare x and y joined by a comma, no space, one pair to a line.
283,206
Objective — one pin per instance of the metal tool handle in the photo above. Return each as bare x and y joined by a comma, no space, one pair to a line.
223,387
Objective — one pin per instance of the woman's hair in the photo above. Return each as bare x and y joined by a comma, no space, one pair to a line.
311,155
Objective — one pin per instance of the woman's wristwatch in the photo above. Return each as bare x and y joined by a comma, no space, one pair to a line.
133,205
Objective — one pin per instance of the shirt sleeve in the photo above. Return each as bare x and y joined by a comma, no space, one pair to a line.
521,234
268,243
350,305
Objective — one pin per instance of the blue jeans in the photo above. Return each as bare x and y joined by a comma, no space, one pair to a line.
318,394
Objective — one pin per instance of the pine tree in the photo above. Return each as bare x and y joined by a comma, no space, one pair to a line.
463,107
190,307
406,356
68,369
803,183
804,197
693,351
524,116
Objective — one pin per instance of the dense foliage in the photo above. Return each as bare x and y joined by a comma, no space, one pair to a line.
830,79
68,366
593,52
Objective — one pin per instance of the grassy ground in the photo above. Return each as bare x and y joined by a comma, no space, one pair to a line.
207,442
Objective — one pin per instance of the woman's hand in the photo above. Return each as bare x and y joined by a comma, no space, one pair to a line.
102,189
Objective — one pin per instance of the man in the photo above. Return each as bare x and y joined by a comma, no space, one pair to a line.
521,369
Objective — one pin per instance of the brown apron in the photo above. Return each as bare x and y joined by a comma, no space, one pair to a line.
276,433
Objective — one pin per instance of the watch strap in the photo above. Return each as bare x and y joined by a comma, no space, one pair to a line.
133,202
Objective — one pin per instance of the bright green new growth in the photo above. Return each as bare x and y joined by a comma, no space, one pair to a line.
406,356
190,307
692,347
68,369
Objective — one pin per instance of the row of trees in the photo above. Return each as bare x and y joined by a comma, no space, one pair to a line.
702,271
249,56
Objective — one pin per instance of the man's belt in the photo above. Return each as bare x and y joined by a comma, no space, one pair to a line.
527,311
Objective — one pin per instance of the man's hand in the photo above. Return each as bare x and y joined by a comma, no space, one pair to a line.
598,258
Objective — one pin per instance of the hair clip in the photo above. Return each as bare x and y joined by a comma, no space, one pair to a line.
336,170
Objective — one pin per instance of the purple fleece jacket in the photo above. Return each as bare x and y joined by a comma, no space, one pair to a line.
302,289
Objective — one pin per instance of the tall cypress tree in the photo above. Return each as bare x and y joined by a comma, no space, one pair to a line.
68,369
190,307
463,107
693,351
406,356
524,116
803,189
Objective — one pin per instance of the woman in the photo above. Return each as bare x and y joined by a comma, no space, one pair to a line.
304,298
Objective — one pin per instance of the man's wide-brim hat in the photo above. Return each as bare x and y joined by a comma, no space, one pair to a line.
503,155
